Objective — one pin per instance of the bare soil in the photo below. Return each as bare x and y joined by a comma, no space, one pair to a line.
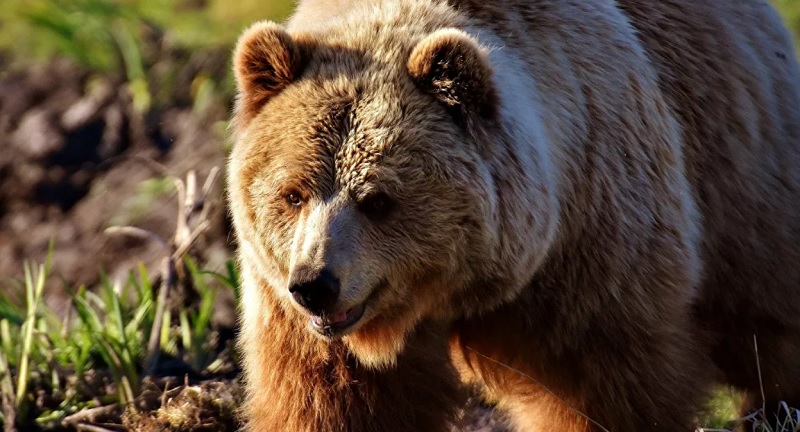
73,159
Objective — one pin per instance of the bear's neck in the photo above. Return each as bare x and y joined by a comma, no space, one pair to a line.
299,382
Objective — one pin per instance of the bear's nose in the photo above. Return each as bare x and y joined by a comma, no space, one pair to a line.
318,295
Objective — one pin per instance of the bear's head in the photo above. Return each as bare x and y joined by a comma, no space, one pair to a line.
359,184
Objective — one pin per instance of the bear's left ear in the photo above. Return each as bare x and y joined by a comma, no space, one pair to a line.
265,62
450,65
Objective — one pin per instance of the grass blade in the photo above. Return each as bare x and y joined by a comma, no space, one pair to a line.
33,292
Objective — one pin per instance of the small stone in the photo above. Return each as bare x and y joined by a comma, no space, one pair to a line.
37,135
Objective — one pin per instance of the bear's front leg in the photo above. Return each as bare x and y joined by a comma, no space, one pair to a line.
300,382
615,379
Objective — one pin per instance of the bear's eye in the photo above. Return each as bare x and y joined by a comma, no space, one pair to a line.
294,199
377,205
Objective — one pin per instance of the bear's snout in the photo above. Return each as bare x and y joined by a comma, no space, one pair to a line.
317,295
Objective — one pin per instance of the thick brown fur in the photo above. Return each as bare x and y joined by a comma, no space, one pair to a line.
589,209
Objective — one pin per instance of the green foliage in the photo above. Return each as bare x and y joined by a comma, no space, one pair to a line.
108,332
790,11
196,324
100,34
34,288
116,37
104,33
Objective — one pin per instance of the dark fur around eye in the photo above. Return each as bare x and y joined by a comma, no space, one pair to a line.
376,206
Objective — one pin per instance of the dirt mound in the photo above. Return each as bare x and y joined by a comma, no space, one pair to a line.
77,157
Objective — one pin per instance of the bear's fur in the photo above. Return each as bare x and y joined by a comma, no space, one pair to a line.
587,209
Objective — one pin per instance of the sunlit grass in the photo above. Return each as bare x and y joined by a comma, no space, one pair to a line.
108,332
88,29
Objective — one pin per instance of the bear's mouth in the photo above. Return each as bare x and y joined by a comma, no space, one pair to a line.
336,324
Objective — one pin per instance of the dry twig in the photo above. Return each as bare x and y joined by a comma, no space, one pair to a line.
192,222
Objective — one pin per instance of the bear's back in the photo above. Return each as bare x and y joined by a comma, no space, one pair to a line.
729,72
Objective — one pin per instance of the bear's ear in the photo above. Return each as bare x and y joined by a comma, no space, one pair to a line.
450,65
266,61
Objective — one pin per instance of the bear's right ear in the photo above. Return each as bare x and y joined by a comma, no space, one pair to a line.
265,62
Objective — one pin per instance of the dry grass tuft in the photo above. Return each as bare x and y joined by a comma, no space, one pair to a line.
209,406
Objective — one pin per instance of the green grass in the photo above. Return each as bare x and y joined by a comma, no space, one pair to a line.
108,335
101,33
104,356
128,38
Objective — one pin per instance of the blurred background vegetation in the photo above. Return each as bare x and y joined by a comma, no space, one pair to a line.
114,36
790,9
85,29
100,33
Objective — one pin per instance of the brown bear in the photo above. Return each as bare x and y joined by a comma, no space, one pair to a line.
586,209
